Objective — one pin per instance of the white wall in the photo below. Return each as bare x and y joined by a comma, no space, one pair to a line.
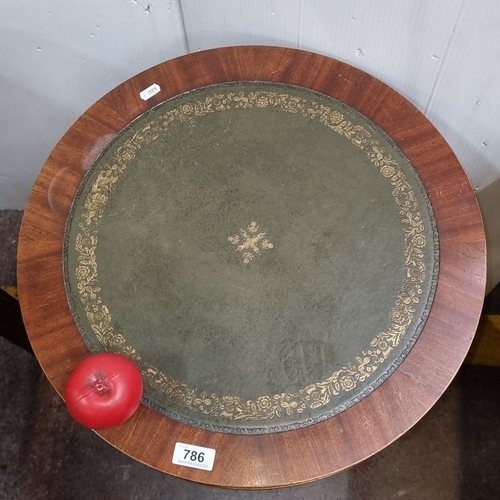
58,57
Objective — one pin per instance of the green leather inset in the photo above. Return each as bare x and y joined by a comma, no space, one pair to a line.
265,254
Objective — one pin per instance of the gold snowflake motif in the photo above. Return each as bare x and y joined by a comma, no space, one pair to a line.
250,242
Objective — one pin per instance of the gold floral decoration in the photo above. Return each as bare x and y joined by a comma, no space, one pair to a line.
266,407
250,243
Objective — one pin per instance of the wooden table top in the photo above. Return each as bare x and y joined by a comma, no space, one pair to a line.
325,448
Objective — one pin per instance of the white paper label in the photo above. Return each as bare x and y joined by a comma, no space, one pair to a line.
197,457
150,91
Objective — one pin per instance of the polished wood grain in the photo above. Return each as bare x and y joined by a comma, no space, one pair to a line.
317,451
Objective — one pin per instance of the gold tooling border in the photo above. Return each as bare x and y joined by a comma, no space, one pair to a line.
266,407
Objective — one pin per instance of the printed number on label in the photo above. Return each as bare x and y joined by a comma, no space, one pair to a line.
197,457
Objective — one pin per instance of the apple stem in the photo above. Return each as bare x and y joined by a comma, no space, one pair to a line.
99,383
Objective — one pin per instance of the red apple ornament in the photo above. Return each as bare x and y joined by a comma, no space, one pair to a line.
104,391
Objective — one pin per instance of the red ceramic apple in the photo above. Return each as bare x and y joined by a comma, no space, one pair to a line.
104,391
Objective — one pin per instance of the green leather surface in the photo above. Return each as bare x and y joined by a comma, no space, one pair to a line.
248,246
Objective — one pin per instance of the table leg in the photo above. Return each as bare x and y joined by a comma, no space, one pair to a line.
11,321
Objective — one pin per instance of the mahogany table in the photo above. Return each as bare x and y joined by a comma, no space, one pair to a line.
253,451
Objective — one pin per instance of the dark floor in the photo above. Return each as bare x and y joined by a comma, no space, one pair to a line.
452,453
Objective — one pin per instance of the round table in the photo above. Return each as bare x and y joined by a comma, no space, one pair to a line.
270,459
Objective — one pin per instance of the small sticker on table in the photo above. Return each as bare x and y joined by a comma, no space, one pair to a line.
150,91
197,457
